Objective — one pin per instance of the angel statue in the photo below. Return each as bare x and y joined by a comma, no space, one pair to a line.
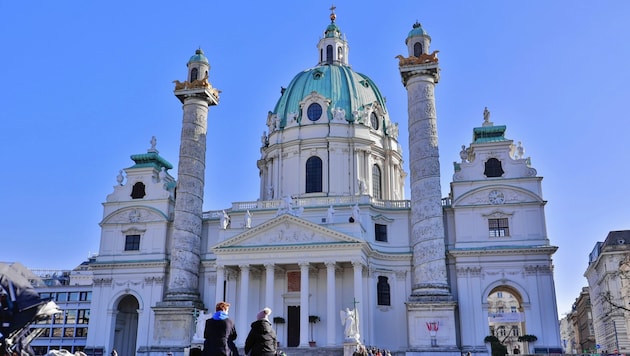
350,319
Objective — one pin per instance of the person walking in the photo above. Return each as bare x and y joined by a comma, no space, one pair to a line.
261,340
219,332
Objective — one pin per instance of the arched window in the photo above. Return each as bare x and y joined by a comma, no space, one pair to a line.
314,175
493,168
383,291
321,55
339,53
194,74
417,49
329,54
137,192
376,182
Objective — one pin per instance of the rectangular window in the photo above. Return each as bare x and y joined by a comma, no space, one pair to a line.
498,227
68,332
73,296
83,316
293,281
132,243
58,318
57,332
62,297
85,296
380,232
81,332
71,316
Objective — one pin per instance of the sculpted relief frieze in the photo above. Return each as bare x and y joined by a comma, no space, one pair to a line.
287,235
134,215
484,197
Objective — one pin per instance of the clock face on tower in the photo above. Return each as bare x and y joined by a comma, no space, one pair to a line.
496,197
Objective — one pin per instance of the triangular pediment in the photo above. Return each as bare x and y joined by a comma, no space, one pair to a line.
287,230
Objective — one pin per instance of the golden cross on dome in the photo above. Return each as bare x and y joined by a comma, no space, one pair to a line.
332,13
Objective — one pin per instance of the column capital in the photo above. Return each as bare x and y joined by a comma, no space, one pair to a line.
304,264
244,267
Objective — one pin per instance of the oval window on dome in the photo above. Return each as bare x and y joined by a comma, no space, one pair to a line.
374,120
314,112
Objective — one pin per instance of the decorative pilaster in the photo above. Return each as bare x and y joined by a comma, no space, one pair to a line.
331,311
220,291
270,270
243,321
304,311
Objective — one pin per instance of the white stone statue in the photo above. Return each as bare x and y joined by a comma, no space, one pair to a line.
248,220
162,174
463,154
350,321
486,114
356,212
225,219
339,114
520,150
201,325
153,143
120,177
330,215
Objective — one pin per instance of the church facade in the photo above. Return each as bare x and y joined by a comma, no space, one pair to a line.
331,231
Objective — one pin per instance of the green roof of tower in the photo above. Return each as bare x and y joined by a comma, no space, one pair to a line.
198,57
417,31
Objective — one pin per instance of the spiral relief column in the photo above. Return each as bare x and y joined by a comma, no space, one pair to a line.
174,316
430,302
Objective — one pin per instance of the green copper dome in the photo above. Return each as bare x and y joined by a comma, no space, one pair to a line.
344,88
417,31
198,57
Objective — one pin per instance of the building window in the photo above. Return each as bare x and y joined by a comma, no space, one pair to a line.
71,316
376,182
314,111
498,227
501,331
314,175
380,232
339,53
417,49
132,243
493,168
85,296
499,294
382,291
374,120
513,309
83,316
329,54
137,192
81,332
194,74
61,297
73,296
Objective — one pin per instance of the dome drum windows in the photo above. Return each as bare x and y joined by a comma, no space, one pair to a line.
314,107
314,175
314,112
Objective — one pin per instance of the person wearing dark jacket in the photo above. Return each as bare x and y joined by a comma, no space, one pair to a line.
219,332
261,340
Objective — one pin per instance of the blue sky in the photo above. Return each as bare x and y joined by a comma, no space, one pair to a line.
86,84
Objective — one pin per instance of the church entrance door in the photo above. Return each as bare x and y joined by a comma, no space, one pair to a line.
293,326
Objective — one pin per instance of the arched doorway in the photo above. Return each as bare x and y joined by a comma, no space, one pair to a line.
506,318
126,326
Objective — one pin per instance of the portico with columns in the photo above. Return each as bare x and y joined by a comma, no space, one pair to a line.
319,270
